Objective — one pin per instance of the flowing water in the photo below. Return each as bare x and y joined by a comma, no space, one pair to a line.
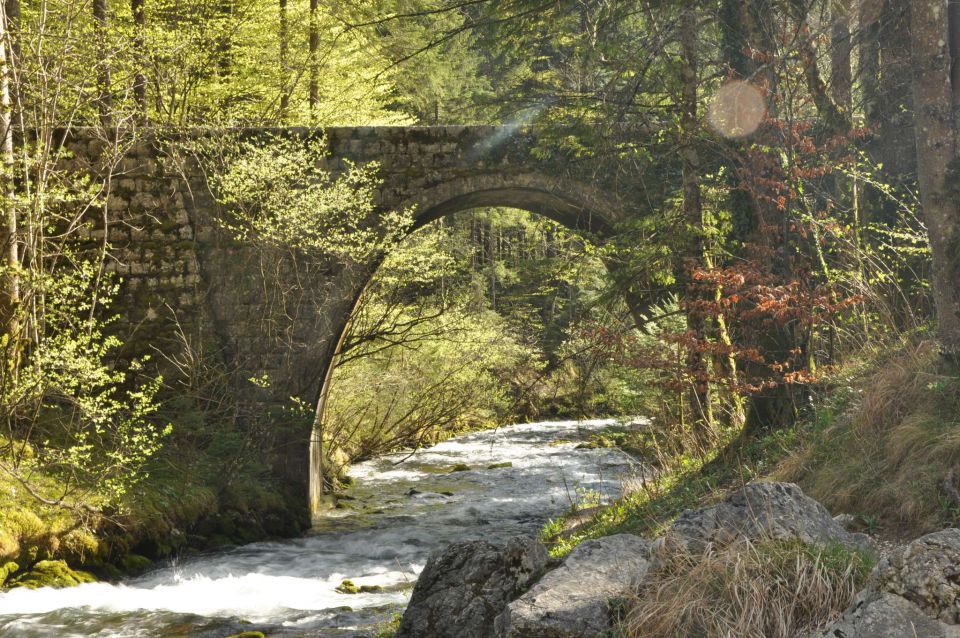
401,509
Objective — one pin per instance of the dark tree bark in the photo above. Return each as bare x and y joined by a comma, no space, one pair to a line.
841,76
104,100
10,289
868,69
895,111
936,161
314,46
140,51
284,61
693,213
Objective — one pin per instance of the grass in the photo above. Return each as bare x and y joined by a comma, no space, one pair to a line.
890,457
765,589
647,510
880,441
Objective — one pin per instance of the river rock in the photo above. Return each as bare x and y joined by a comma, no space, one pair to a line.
574,600
884,615
926,572
760,510
914,591
465,586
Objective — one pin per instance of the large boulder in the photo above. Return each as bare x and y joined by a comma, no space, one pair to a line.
760,510
573,601
465,586
914,591
883,615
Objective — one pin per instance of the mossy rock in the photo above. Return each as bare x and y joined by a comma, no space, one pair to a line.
9,545
248,634
348,587
81,547
494,466
371,589
460,467
135,564
25,526
52,573
7,570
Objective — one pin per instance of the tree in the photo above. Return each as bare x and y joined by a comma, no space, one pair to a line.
937,160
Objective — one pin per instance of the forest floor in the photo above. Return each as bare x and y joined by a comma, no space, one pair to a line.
879,441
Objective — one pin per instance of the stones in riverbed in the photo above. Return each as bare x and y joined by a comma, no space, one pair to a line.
496,466
465,586
574,600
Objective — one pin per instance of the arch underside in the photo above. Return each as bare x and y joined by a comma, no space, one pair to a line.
575,205
560,209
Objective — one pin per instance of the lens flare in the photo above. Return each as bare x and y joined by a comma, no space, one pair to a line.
737,109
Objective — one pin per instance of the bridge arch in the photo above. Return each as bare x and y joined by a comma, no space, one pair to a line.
576,205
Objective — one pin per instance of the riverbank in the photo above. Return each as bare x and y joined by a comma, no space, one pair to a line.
493,484
177,510
876,443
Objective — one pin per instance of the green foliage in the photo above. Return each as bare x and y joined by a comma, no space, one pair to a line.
85,420
277,195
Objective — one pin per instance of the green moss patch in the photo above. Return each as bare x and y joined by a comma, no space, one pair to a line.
52,573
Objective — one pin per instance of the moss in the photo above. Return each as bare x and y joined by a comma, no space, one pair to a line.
348,587
248,634
494,466
9,545
7,570
81,547
460,467
135,564
52,573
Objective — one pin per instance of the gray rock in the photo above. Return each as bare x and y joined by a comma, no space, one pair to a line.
759,510
846,521
915,591
573,601
465,586
885,615
926,572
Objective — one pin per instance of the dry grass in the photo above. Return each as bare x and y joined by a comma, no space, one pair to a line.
887,458
768,589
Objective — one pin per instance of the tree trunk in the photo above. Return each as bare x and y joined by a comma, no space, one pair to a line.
10,293
869,59
936,152
104,101
841,77
284,62
314,46
701,403
140,51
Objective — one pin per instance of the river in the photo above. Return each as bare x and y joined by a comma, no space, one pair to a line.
401,508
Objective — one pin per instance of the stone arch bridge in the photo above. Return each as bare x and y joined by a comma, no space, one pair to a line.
273,317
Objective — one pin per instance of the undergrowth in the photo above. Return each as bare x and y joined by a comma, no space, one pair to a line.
891,458
764,589
686,481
